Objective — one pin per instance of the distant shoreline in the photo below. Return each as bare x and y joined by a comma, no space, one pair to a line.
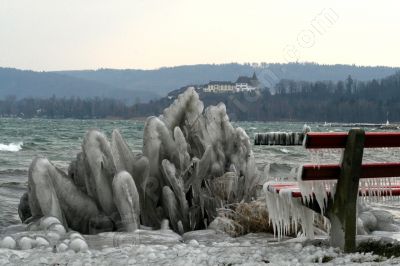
326,124
141,119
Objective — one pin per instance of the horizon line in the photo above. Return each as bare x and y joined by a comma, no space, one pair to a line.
251,64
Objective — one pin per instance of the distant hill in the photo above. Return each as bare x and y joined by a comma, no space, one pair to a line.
24,84
163,80
132,85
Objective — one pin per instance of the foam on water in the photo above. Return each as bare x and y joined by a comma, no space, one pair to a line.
14,147
284,150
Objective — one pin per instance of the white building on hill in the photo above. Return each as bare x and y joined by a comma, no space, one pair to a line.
220,86
242,84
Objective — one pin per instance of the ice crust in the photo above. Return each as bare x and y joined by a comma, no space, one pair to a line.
203,247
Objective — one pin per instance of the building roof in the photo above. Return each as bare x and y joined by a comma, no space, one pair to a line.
244,79
253,81
221,83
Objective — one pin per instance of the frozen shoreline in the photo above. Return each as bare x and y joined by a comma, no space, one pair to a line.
203,247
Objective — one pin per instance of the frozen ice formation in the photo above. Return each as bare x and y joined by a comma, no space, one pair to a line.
193,162
46,232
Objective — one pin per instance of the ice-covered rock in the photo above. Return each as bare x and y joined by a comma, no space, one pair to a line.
372,219
58,228
45,222
78,245
223,224
54,237
368,221
25,243
8,242
42,242
74,235
193,243
62,247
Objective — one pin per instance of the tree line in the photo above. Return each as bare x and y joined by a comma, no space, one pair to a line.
343,101
73,107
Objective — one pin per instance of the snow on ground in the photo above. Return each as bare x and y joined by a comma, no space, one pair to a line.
204,247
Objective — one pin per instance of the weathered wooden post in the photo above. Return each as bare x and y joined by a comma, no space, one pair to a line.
343,212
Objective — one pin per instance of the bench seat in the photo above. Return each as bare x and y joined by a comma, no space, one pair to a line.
296,193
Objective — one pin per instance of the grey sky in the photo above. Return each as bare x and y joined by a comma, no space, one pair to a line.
90,34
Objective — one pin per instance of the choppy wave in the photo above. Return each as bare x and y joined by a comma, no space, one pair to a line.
14,172
16,185
14,147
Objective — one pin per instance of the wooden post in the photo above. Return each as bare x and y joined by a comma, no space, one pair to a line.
343,212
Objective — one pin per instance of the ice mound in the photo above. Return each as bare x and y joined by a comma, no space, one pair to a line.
198,162
193,162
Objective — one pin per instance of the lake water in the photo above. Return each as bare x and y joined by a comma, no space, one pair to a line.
60,140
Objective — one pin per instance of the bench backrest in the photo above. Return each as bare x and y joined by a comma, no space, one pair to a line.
317,140
335,140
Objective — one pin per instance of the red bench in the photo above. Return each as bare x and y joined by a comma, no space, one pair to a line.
341,207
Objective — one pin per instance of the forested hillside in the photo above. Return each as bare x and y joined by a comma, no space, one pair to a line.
349,100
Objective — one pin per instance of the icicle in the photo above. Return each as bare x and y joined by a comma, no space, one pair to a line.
285,212
320,189
267,170
293,172
378,189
